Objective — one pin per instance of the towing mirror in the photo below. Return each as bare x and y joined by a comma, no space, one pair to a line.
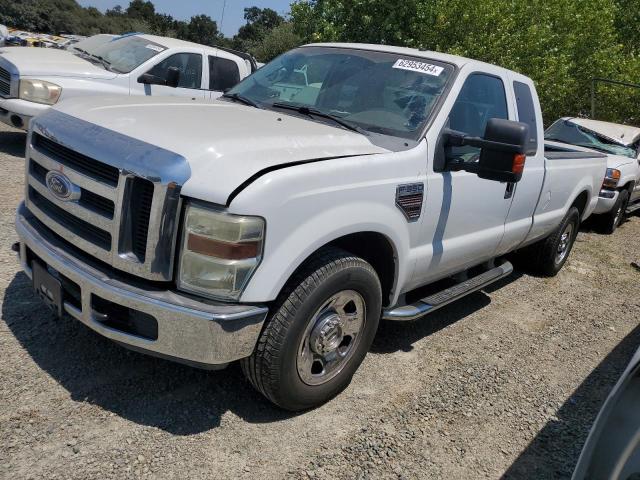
502,150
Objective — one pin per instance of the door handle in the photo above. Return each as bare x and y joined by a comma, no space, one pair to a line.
508,193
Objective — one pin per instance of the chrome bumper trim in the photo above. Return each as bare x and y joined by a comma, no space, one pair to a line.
188,330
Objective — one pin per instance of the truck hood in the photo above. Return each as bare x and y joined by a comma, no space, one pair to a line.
224,143
51,62
613,161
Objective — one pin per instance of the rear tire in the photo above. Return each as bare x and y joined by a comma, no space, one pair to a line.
608,222
318,333
548,256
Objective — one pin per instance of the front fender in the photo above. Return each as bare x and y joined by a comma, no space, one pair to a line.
306,210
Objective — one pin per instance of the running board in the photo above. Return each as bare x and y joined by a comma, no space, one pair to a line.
633,208
440,299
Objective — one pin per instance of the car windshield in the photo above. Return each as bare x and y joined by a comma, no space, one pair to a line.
88,45
386,93
566,131
126,53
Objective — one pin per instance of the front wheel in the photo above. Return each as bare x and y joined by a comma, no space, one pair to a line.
608,222
318,333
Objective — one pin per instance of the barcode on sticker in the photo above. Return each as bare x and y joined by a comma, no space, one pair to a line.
155,48
419,67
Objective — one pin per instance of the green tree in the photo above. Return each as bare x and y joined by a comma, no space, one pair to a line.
561,44
201,29
277,41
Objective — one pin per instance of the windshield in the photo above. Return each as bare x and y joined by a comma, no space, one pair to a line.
90,44
124,54
568,132
379,92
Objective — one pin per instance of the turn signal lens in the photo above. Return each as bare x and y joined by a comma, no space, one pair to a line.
219,249
611,178
518,163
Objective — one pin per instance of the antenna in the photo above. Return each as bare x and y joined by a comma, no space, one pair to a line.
224,7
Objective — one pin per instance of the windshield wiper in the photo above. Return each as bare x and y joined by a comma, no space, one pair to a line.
242,99
319,113
559,140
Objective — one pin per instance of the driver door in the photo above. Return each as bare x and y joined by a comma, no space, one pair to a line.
190,84
465,215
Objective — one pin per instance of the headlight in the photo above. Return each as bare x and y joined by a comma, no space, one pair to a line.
611,178
219,252
39,91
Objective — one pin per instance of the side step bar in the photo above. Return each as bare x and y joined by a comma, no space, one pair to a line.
634,207
440,299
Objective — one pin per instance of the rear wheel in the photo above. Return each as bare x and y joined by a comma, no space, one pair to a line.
608,222
320,330
548,256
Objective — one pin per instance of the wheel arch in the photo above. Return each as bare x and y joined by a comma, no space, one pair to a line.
581,202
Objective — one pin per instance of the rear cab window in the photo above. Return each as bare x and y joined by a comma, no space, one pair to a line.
527,114
223,74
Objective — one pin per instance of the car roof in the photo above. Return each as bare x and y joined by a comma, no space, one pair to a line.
428,54
174,42
623,134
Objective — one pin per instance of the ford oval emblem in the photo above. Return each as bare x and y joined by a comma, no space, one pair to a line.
61,187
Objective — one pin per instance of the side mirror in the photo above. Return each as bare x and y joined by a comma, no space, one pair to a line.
173,77
502,150
172,80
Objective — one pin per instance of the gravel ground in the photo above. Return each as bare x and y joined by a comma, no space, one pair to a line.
505,382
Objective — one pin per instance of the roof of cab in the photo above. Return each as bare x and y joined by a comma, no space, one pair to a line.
443,57
173,42
624,134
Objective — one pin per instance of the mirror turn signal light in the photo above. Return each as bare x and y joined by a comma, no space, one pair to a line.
518,163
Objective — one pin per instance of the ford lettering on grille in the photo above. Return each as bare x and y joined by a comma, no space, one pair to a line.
61,187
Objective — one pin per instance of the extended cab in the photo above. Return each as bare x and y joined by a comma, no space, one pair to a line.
338,185
620,190
34,79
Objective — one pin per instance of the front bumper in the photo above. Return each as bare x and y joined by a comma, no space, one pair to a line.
606,200
18,113
188,331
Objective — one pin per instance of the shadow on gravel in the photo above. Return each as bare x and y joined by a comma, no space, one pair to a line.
554,452
393,336
146,390
13,143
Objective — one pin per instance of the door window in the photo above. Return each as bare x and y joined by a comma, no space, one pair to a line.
527,114
189,64
223,74
482,97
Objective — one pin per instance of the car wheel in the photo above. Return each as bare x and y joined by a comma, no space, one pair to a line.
318,333
548,256
608,222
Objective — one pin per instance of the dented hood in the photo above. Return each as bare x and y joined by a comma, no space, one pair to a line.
224,143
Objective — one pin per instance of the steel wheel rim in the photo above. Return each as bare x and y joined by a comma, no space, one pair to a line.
565,243
618,217
331,337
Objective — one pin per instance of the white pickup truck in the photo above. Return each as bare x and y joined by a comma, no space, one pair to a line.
620,190
338,185
34,79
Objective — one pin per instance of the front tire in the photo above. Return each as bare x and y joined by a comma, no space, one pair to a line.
318,333
609,222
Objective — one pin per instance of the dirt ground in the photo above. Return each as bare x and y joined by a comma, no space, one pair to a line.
503,383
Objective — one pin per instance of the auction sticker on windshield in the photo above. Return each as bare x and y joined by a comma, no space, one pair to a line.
419,67
155,48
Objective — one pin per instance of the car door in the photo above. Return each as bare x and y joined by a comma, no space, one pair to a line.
465,215
190,85
224,74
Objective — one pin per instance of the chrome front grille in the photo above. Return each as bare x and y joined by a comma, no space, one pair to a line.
120,217
5,82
